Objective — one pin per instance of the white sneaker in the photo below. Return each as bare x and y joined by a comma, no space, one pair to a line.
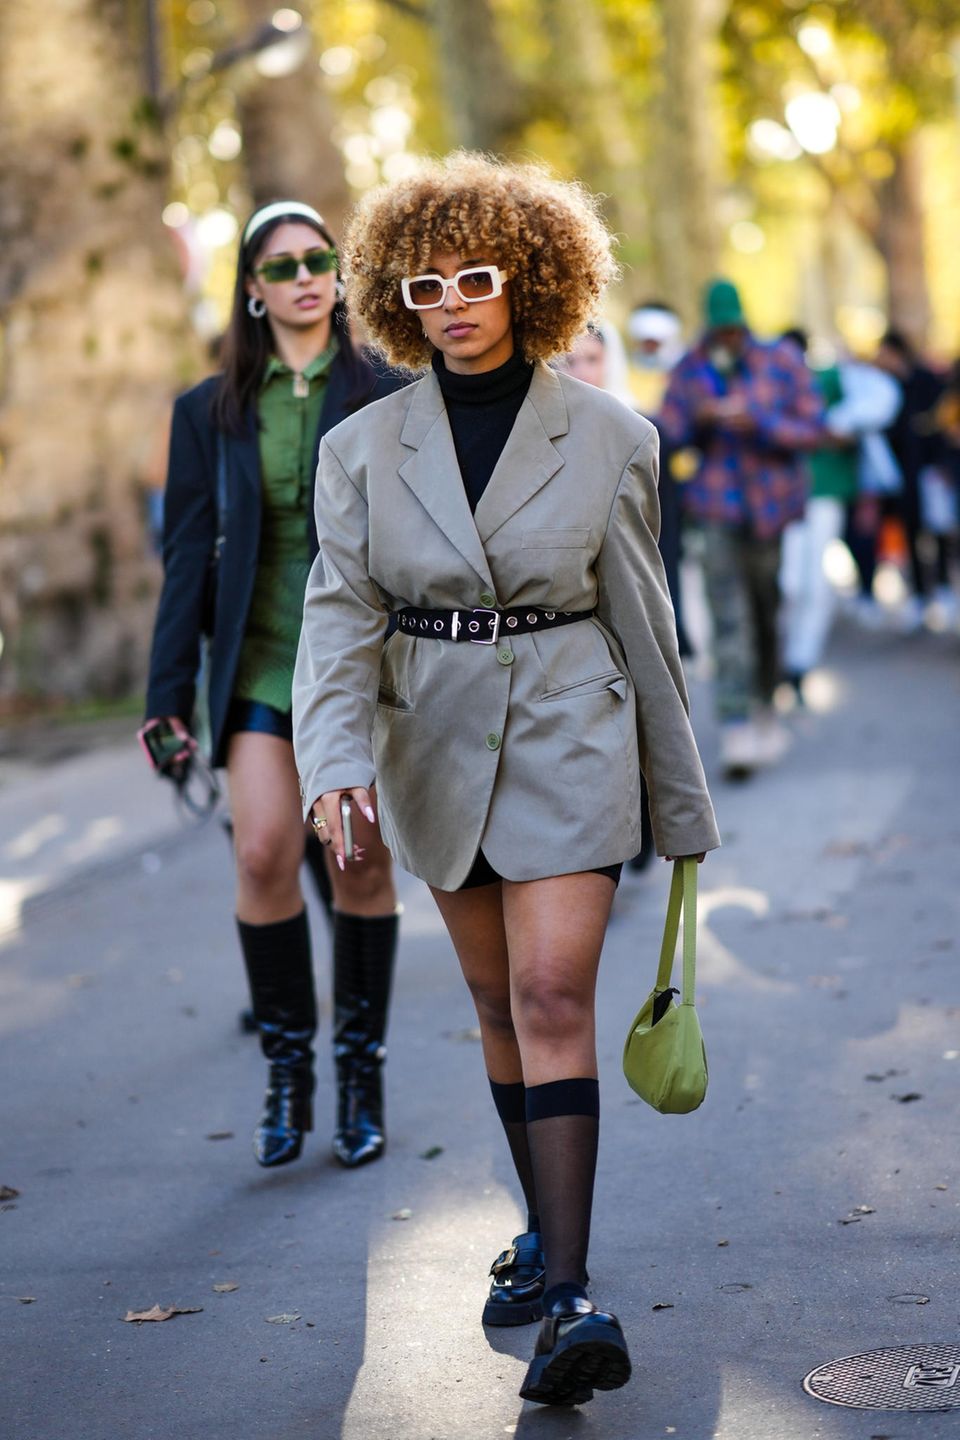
943,611
911,614
738,749
772,740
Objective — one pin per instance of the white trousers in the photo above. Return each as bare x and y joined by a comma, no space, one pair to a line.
808,595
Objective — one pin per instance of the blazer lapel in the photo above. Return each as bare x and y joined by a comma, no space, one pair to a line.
433,474
243,460
529,458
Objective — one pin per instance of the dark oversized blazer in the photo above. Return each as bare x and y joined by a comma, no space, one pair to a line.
531,748
190,534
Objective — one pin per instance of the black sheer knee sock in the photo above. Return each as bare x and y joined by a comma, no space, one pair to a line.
563,1123
511,1107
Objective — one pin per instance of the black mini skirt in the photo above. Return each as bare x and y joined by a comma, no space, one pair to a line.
483,873
260,718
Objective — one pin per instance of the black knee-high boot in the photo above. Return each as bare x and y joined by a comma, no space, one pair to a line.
363,954
280,970
314,860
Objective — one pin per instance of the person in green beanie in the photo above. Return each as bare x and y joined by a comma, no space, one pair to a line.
750,411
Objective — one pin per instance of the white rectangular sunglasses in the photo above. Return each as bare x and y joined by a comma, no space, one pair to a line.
428,292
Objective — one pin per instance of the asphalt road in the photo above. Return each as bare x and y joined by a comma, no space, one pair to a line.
829,993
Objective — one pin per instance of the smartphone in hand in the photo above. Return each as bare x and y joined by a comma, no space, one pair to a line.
164,746
346,820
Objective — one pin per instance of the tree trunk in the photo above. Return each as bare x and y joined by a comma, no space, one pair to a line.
900,240
287,123
96,342
685,152
602,140
482,92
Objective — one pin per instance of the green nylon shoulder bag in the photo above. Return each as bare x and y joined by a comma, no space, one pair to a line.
664,1058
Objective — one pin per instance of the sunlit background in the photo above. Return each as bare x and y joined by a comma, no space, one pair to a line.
810,150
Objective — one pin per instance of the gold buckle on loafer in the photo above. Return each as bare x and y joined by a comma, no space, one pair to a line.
504,1261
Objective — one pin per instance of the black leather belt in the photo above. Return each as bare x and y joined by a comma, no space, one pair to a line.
483,626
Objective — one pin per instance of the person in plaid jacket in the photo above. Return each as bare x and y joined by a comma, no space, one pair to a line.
748,411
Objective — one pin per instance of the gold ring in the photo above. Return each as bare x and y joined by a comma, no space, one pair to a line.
318,824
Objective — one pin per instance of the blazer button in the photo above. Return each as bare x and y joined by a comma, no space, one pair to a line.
487,599
505,656
493,741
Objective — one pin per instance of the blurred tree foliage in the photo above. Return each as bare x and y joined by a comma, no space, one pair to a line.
806,147
696,119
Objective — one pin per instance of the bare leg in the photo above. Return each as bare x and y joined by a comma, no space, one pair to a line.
267,827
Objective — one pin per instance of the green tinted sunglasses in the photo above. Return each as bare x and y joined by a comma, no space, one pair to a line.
287,267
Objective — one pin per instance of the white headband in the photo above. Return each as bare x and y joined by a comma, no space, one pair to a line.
653,324
273,212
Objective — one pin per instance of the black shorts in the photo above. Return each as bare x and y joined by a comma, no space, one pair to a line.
254,715
483,873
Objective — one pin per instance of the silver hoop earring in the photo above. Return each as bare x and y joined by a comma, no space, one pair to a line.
340,290
256,308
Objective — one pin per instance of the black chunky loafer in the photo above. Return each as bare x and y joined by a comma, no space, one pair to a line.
579,1349
516,1290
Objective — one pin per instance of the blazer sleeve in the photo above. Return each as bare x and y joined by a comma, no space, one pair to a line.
634,604
189,536
337,674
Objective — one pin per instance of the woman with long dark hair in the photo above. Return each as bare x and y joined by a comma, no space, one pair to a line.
239,539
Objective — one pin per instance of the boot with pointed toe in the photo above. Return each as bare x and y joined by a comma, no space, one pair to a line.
280,972
363,956
579,1349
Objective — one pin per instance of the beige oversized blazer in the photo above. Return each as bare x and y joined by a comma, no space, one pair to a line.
531,748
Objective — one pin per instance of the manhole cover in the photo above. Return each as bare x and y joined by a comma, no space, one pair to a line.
910,1377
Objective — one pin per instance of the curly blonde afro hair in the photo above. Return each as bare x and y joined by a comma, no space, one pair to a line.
546,233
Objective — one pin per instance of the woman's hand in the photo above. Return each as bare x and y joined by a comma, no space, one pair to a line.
325,818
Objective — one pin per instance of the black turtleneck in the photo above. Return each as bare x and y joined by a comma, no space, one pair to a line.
482,410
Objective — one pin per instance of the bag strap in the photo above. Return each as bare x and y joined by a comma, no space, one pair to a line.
683,900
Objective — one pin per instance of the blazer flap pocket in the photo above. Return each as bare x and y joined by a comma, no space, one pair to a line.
556,539
610,680
392,699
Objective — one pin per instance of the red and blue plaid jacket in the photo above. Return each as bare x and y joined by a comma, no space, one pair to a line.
756,480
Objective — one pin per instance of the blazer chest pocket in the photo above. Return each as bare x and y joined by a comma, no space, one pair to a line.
556,539
610,681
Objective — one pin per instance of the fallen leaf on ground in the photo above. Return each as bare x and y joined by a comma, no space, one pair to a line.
162,1312
7,1192
939,1187
735,1288
722,1243
226,1287
885,1075
663,1305
27,1299
432,1153
910,1095
401,1215
285,1319
856,1214
909,1299
220,1135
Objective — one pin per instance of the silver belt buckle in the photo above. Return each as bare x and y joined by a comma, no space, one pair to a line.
494,635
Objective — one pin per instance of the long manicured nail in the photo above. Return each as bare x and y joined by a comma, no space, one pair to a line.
368,811
340,862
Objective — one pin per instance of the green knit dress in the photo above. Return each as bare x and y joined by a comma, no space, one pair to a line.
288,432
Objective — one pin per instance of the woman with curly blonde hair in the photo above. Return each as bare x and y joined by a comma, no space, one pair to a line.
506,517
